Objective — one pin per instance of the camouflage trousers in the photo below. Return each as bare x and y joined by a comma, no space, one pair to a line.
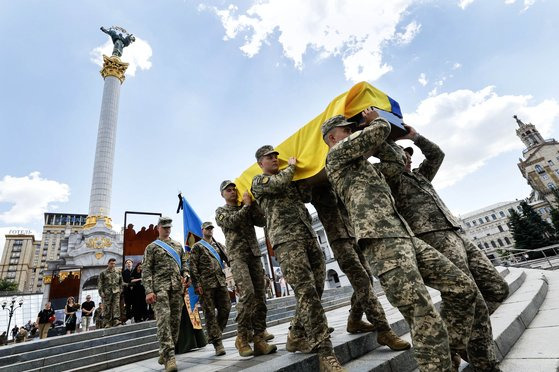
404,266
302,263
112,309
251,307
168,310
353,264
212,299
492,285
481,349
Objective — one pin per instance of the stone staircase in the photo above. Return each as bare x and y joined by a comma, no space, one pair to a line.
106,348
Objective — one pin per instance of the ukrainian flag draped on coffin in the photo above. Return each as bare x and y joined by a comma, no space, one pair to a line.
307,143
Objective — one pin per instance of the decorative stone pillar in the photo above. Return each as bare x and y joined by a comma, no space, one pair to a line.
101,185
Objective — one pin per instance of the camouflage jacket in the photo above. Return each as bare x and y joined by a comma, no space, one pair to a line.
287,218
160,271
332,213
110,281
204,267
362,187
416,198
237,224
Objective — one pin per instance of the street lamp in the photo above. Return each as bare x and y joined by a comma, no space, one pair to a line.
10,309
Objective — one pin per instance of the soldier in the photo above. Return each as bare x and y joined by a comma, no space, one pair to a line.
432,222
165,276
401,262
207,261
333,217
294,242
110,285
237,223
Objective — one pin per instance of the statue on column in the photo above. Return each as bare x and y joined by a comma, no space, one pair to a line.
119,40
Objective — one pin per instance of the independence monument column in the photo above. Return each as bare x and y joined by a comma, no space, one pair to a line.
101,185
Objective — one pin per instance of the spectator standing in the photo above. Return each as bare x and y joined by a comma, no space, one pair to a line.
45,319
21,335
15,331
71,317
283,286
138,294
127,288
98,316
87,313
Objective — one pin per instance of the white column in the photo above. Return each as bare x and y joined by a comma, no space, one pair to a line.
101,184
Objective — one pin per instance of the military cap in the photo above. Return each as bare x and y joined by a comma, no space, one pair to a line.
206,225
409,150
334,121
225,184
165,222
265,150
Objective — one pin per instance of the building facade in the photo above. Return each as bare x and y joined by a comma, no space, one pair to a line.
17,259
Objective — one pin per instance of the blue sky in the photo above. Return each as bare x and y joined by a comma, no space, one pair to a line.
215,80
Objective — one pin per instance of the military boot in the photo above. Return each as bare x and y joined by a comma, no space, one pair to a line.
390,339
358,325
329,363
456,361
161,360
241,343
261,347
219,349
171,365
268,336
294,344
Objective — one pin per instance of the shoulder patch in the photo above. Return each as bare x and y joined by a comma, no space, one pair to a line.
221,217
265,180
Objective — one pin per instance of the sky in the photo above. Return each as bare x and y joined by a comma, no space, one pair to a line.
211,81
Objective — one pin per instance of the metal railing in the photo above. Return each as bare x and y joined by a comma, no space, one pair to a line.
522,257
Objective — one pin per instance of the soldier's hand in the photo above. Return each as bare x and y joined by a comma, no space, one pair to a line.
151,298
198,291
247,199
292,160
369,114
411,133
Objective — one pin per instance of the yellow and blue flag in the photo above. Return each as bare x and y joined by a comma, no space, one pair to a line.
307,144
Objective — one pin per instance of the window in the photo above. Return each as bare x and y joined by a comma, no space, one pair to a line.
480,221
539,169
14,261
507,240
500,242
11,276
468,224
486,219
493,216
486,245
545,177
16,248
493,244
551,186
480,246
474,222
502,214
15,254
500,228
550,162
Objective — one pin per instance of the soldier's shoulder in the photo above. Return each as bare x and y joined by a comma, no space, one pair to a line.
260,179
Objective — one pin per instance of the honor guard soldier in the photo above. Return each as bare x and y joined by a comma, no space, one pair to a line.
165,276
110,285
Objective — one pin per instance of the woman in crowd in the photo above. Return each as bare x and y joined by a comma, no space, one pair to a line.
139,306
70,310
45,318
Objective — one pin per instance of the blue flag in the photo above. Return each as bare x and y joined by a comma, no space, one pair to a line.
192,227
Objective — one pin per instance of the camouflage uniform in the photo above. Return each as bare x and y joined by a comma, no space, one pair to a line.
207,274
335,220
237,224
110,284
430,219
161,275
294,242
402,262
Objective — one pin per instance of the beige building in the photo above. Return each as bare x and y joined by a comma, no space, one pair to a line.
488,227
17,258
540,166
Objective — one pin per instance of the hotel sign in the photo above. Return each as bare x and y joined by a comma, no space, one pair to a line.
20,232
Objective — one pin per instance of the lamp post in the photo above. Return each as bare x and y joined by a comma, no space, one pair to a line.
10,309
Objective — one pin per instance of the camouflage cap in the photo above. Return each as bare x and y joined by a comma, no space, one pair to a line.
265,150
334,121
409,150
165,222
206,225
225,184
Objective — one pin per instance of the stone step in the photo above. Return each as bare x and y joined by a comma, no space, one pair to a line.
358,352
525,293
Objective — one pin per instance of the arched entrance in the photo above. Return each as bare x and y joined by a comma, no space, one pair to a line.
333,279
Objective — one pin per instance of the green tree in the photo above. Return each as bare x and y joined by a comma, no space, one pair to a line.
530,231
7,285
520,230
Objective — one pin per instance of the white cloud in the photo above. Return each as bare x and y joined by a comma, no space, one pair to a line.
30,196
456,66
464,3
137,54
354,30
472,127
422,79
527,3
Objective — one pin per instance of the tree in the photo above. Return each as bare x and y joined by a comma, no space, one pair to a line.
520,230
7,285
530,231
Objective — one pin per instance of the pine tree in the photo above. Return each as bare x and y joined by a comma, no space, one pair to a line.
520,230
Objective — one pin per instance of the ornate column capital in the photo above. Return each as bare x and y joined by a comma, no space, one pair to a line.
113,66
